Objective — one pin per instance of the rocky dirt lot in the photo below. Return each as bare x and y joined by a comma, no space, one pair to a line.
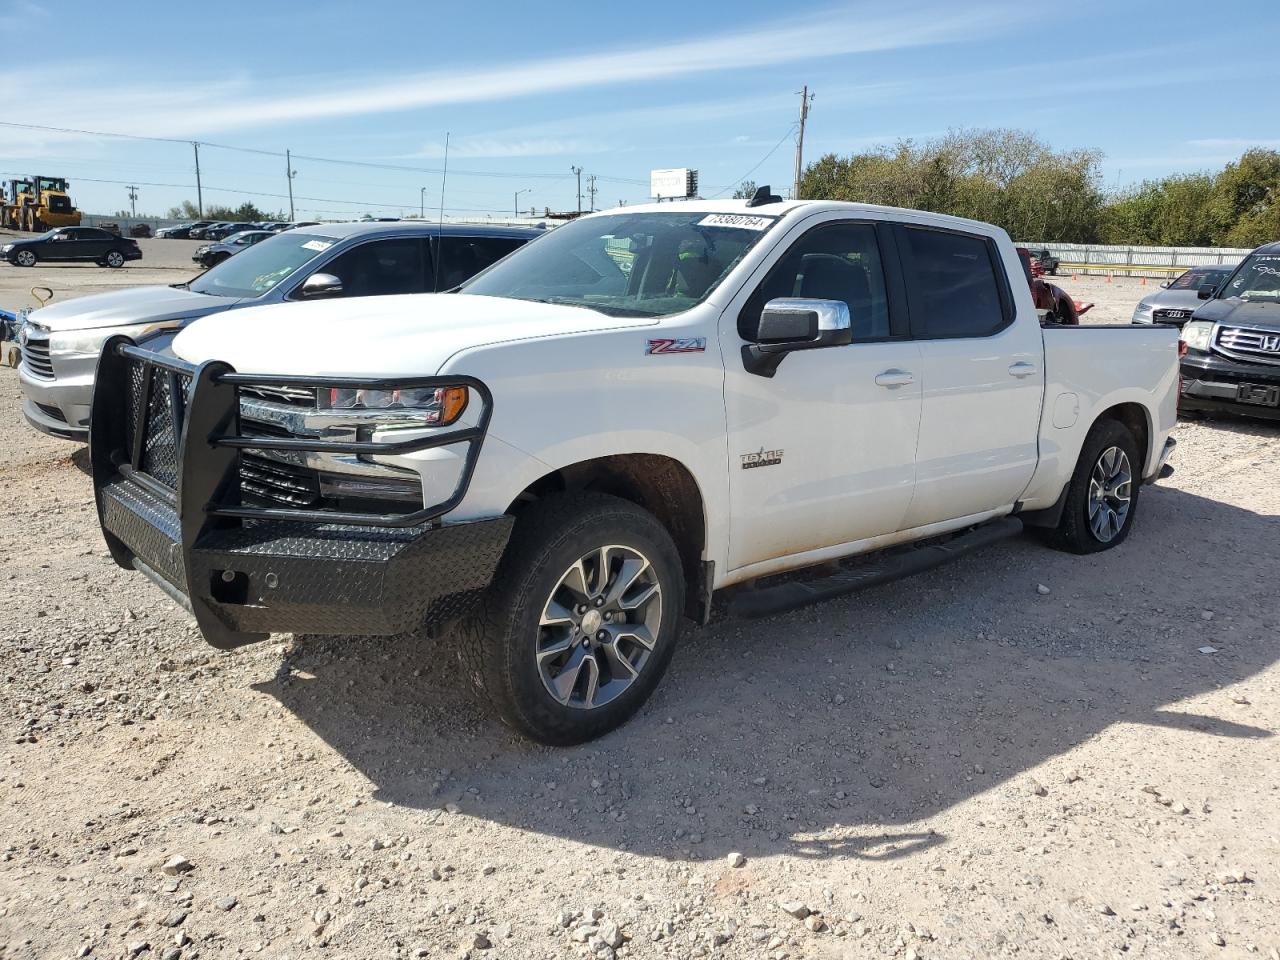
961,765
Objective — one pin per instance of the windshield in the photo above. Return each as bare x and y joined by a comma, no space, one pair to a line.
257,270
1195,279
1258,278
626,264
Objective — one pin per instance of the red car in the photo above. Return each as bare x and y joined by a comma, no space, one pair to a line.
1056,304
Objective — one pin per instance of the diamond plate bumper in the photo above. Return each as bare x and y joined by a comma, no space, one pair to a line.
165,451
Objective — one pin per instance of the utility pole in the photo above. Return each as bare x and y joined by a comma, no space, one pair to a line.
290,173
516,201
422,203
577,171
195,144
133,201
805,99
591,190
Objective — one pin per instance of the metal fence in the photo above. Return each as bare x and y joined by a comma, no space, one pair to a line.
1097,260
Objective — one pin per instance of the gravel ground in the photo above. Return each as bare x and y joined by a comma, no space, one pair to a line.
954,766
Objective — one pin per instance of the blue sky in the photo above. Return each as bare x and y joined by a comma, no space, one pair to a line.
528,90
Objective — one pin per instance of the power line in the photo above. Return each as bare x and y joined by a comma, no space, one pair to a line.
313,159
763,159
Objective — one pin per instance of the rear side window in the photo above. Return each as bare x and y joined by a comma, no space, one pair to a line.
461,258
956,289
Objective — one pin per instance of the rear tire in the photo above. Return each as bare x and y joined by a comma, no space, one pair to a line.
1102,496
114,259
581,619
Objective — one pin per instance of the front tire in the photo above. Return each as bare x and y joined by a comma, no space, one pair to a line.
1102,497
26,258
581,620
114,259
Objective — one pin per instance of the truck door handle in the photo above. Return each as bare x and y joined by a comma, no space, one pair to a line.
1021,369
894,378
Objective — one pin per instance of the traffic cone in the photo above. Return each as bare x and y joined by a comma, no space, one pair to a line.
1108,278
1144,281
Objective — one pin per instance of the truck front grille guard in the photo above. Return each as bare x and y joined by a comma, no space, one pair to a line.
179,436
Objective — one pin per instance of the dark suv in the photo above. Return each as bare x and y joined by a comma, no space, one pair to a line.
1232,362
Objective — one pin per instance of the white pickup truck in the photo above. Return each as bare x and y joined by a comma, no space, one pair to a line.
556,462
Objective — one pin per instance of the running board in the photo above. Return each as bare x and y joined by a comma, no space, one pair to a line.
796,593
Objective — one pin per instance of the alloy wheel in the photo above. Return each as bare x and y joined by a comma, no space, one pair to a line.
1110,494
26,258
115,259
598,627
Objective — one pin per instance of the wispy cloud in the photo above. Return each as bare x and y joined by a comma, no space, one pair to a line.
497,146
20,14
841,31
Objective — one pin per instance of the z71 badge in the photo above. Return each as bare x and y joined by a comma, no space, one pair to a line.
763,458
676,345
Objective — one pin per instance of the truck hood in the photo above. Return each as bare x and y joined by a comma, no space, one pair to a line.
1245,313
135,305
406,335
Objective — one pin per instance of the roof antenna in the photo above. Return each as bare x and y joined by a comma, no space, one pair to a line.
444,176
763,196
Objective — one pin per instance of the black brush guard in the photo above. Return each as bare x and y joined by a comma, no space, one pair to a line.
165,447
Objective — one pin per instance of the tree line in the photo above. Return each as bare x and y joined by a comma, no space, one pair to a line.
1015,180
245,213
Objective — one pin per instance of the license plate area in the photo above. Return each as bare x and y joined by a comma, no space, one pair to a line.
1258,394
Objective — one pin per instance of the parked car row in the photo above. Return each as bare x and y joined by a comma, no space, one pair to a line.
221,229
212,253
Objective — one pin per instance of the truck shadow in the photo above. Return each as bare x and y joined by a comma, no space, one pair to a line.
840,730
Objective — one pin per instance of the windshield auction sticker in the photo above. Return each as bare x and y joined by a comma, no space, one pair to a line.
320,246
741,221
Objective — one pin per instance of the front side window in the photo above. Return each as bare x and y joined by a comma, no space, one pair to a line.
1258,278
954,284
627,264
835,262
381,267
257,270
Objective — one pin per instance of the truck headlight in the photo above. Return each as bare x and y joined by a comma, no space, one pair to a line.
1196,335
437,406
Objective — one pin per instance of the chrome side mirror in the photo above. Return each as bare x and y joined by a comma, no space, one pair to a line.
320,285
789,324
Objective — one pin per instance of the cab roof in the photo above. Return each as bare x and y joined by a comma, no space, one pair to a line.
782,208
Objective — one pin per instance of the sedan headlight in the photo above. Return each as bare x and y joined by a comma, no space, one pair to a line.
88,343
1196,335
434,406
6,248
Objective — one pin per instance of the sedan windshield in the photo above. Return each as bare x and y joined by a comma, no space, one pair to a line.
1258,278
626,264
262,266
